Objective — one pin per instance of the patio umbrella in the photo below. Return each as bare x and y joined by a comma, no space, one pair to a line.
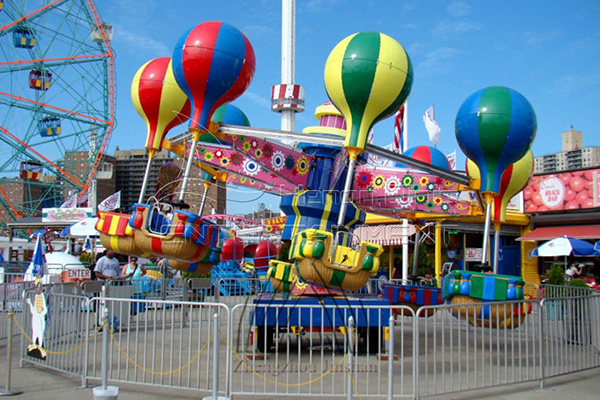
565,246
81,229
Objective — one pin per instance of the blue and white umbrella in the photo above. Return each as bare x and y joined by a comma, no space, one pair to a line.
565,246
597,246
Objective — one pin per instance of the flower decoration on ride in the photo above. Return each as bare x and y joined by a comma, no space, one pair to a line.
209,156
237,159
224,161
302,165
251,167
392,185
421,199
258,153
379,181
246,146
407,181
364,179
437,200
431,186
430,205
277,161
404,201
267,150
219,154
445,207
290,163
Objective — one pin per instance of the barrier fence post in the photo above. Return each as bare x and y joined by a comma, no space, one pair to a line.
105,392
7,391
391,358
350,354
215,390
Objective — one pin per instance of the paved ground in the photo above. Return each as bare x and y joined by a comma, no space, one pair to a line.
36,383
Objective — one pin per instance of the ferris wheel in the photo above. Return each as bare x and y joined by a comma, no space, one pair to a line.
57,92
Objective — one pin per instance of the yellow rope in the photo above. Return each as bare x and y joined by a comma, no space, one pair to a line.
280,383
11,315
187,364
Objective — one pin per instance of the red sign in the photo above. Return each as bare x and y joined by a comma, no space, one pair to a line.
563,191
78,273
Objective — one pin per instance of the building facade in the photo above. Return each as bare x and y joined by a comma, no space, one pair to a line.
164,181
573,155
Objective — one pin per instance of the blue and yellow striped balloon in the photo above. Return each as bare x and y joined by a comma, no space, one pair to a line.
495,128
368,76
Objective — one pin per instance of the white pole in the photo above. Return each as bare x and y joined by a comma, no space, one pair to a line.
288,56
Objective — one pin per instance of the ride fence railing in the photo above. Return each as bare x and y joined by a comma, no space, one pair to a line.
292,349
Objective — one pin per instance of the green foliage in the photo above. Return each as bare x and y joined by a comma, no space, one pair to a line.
86,258
188,275
284,252
424,263
578,283
557,275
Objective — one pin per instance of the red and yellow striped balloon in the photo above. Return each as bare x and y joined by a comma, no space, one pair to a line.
514,179
368,76
159,100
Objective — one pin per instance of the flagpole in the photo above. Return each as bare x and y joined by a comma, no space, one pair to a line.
405,224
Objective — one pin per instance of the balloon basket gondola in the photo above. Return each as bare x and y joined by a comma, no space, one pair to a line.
320,260
281,275
412,296
473,294
176,235
116,234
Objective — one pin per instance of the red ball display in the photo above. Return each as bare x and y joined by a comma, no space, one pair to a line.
265,252
233,249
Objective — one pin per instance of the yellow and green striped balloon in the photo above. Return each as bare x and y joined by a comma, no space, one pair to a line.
368,76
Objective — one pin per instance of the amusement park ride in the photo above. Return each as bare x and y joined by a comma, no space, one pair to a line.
325,183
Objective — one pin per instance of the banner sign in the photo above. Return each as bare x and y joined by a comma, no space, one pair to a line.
563,191
66,214
275,224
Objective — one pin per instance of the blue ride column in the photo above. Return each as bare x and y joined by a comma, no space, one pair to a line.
318,205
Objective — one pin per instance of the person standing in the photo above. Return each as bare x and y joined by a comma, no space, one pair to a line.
134,272
108,266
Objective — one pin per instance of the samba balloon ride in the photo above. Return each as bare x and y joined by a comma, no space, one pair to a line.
56,112
325,183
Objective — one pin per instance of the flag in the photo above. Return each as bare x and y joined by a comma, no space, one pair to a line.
452,160
432,127
38,261
112,202
399,131
71,202
87,246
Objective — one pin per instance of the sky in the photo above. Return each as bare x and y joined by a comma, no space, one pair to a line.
546,50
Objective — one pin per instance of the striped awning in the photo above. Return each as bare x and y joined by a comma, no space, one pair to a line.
384,235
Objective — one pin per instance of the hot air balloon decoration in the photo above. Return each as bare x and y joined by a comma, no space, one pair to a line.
494,127
160,102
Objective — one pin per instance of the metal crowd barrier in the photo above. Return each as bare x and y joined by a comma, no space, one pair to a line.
291,349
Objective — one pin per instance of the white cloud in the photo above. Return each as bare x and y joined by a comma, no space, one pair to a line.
458,9
450,28
535,38
141,43
259,100
438,57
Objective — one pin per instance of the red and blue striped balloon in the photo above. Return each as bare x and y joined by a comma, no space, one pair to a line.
213,63
495,127
427,154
